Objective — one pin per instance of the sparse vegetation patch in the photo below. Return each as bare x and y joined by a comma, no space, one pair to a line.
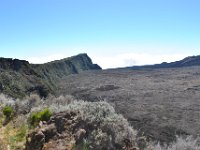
8,111
36,117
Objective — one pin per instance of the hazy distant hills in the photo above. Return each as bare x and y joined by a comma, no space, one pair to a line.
19,77
188,61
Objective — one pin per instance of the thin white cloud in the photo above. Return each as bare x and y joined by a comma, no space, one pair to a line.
132,59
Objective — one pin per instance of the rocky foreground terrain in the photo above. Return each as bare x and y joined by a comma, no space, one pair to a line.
67,130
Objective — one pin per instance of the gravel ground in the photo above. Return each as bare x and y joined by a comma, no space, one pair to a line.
160,103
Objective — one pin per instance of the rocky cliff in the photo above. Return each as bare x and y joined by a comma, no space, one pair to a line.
72,65
19,78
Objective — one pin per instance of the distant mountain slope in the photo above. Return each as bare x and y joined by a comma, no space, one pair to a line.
67,66
18,77
188,61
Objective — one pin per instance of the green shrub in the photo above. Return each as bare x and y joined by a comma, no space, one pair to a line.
8,111
36,117
85,145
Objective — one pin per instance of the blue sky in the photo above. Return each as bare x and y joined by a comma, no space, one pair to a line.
114,33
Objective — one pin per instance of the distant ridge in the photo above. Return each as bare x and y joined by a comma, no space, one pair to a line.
188,61
19,78
71,65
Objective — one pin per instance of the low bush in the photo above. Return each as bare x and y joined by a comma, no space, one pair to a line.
111,130
36,117
7,111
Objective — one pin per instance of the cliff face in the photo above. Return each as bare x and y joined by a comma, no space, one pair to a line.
12,64
59,68
19,78
9,64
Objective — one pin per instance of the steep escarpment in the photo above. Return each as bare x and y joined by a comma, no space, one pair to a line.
59,68
19,78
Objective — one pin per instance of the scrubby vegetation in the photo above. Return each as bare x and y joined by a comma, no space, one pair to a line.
109,129
188,143
7,111
36,117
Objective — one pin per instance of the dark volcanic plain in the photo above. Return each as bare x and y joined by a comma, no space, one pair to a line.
160,103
